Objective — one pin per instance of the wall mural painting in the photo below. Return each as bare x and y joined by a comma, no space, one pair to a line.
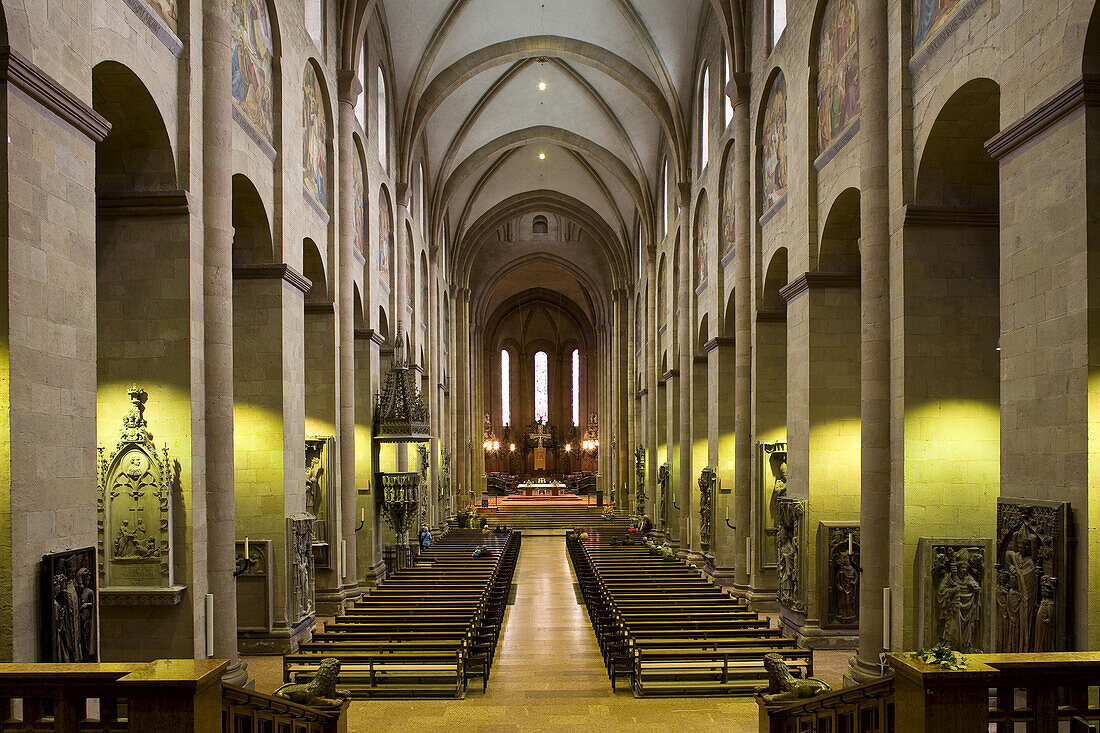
314,136
251,64
360,209
701,244
773,141
410,274
931,16
837,71
385,235
168,12
727,232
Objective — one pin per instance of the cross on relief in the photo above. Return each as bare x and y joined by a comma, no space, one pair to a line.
541,435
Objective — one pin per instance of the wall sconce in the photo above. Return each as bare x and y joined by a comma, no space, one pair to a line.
512,447
568,447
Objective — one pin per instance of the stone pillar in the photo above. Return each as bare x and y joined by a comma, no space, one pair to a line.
685,484
218,330
402,324
649,384
349,91
722,375
738,91
368,538
462,455
875,328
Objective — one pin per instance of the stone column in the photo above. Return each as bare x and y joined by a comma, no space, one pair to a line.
685,482
463,402
649,384
875,327
402,324
218,332
368,540
721,393
349,92
738,91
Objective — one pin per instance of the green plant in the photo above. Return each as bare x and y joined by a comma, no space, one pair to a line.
941,654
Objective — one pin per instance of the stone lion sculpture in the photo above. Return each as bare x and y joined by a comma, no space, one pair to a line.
319,692
785,687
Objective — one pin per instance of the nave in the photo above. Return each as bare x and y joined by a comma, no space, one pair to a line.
548,674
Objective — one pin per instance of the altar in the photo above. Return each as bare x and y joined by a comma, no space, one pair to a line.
542,488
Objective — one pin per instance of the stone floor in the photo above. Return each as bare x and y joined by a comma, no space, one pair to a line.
548,674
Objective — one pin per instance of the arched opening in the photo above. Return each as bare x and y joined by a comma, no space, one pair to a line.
142,313
540,225
952,320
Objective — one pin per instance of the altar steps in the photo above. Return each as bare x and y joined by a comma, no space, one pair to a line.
541,518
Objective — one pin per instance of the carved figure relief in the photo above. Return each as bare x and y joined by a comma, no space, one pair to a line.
639,477
70,607
707,480
299,548
956,575
788,552
662,493
321,499
422,454
843,563
771,472
1031,568
134,505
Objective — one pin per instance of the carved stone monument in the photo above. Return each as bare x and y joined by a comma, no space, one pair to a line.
445,482
839,561
134,507
708,478
299,549
255,587
321,499
789,514
639,477
1033,577
422,454
69,607
771,472
953,593
662,494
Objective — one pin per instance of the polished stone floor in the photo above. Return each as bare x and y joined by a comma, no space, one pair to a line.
548,674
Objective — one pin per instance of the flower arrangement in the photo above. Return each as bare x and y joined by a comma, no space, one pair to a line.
583,535
668,554
608,513
941,654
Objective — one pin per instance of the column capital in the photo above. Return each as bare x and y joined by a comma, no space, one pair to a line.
738,88
348,86
403,194
683,194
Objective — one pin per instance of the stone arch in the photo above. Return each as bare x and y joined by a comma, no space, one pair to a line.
360,186
317,154
137,153
771,139
775,280
837,90
727,205
700,243
838,251
358,313
313,267
384,325
252,243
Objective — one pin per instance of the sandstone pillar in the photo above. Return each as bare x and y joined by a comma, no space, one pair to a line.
685,482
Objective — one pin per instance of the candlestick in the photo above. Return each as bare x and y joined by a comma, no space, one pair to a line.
362,514
246,548
727,513
849,543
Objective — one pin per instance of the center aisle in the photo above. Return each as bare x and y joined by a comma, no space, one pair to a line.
548,674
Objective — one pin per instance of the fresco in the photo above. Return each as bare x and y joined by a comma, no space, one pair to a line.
251,64
360,209
701,243
837,71
410,273
931,16
168,12
727,232
314,137
773,143
385,235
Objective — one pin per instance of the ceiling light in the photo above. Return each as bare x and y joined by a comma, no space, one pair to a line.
542,156
542,86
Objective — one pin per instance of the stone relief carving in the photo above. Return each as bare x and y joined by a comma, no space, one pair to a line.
953,588
707,480
843,563
771,472
321,499
299,549
445,481
422,454
69,607
788,552
255,587
662,494
1031,589
134,505
639,473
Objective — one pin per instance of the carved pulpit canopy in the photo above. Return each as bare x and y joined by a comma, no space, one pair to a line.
135,515
400,415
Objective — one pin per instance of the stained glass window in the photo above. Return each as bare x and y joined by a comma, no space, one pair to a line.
576,387
542,387
505,389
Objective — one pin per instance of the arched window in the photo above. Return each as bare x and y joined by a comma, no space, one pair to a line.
539,225
576,387
664,199
542,387
361,103
383,158
704,133
420,201
778,20
505,388
728,103
315,21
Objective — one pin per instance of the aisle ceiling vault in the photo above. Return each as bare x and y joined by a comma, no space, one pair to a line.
466,74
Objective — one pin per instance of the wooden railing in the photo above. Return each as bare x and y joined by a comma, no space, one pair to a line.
165,696
1039,693
867,708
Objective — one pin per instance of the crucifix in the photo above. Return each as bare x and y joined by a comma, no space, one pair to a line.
541,435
